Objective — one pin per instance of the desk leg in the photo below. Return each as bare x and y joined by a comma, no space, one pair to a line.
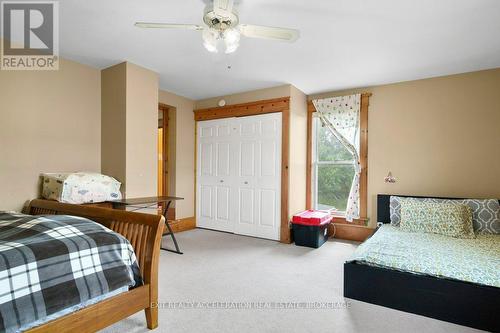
170,232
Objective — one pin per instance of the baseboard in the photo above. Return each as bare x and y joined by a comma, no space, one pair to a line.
342,231
350,231
184,224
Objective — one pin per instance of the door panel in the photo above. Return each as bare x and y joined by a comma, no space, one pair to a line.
247,159
267,208
269,127
246,206
206,158
206,132
224,130
248,127
206,202
268,158
223,159
223,204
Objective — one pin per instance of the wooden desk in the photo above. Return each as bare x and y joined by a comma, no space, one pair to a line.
149,202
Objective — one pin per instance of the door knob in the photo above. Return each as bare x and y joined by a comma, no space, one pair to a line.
246,183
221,181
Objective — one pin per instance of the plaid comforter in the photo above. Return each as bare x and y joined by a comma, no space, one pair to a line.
51,263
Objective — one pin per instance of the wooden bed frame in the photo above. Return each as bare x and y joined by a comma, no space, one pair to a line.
144,233
454,301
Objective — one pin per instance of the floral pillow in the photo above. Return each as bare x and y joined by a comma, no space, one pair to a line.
439,218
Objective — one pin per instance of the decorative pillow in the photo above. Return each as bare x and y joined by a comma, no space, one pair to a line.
80,187
439,218
485,212
395,210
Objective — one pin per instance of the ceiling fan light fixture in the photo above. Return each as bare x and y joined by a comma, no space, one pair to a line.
211,47
230,48
232,40
210,38
222,26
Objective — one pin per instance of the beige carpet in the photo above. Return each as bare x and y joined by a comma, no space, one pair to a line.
236,271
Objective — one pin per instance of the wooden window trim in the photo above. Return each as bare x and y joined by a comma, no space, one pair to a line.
363,187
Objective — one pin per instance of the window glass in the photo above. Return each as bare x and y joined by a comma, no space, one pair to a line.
329,147
333,168
334,185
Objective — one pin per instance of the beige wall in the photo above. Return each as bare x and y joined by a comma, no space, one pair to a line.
438,136
130,128
50,121
113,122
184,130
298,151
142,132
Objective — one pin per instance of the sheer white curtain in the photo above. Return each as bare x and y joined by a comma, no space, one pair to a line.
341,116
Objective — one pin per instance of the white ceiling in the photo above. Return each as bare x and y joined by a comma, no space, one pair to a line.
343,44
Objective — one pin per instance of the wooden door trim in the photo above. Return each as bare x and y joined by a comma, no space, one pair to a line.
285,231
282,105
166,172
244,109
166,163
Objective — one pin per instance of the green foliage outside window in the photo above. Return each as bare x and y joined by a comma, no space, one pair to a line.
329,147
334,185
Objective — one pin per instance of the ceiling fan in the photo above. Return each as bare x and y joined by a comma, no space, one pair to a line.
223,25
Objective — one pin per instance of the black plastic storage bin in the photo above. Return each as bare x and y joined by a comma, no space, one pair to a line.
310,235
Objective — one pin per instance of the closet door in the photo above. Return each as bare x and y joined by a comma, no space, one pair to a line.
258,177
239,175
215,175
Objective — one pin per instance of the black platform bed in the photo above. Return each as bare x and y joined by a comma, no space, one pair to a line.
454,301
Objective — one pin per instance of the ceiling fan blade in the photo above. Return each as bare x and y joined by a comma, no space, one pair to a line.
168,26
223,7
258,31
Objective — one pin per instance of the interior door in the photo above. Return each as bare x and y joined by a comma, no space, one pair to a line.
215,209
258,178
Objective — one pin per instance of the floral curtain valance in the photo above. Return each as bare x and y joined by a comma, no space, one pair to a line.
341,116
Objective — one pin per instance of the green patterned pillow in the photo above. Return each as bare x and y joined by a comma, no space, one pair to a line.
438,218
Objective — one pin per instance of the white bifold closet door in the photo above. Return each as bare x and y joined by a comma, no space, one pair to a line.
239,175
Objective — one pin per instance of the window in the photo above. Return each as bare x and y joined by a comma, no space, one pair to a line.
332,169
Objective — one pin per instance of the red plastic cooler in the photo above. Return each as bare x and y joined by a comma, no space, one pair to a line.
310,228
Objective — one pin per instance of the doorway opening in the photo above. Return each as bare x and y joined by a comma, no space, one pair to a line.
166,153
